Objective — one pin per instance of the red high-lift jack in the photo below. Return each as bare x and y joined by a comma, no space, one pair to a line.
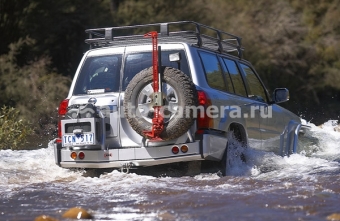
157,120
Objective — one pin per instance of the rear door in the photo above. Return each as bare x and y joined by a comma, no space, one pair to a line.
99,79
229,95
249,110
136,59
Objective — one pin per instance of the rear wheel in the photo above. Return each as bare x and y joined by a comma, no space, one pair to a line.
179,96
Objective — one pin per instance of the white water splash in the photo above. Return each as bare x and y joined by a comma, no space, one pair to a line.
25,167
119,196
320,153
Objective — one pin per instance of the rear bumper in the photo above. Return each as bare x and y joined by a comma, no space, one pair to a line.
129,163
119,158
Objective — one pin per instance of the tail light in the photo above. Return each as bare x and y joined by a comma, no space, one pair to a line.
184,148
81,155
175,149
73,155
203,120
61,112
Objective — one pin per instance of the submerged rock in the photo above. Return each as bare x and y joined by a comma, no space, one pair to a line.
77,213
44,218
334,217
337,128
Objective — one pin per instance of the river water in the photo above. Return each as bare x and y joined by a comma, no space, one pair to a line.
304,186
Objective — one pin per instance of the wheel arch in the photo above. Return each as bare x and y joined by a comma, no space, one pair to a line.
239,132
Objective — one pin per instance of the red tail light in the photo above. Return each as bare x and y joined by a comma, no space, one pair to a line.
203,121
63,107
175,149
61,111
81,155
202,98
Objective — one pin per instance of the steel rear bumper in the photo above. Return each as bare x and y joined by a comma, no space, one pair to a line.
129,163
134,157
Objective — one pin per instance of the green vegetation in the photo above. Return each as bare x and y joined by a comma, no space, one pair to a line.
291,43
13,130
35,91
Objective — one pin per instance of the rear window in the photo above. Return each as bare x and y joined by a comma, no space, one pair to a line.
99,75
102,74
135,62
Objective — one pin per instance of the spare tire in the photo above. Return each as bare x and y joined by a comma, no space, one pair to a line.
179,100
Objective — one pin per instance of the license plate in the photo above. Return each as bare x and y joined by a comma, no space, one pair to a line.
81,139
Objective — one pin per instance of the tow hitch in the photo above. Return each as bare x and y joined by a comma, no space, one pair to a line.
126,167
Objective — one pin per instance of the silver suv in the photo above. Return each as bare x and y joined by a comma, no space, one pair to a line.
177,94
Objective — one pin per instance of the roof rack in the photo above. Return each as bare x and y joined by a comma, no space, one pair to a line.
194,33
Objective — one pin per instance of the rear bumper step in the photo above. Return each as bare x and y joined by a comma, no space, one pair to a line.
132,163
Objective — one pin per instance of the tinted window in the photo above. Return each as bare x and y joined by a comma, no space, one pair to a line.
236,77
213,71
99,75
256,90
227,78
136,62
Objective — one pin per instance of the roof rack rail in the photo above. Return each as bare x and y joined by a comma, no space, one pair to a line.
207,38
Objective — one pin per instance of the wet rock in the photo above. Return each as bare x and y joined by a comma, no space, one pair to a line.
77,213
44,218
337,128
332,123
334,217
166,216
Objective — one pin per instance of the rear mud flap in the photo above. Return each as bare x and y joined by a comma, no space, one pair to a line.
57,153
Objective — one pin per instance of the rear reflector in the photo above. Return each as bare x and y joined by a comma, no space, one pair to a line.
81,155
175,149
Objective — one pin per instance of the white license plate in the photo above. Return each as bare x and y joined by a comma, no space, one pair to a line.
81,139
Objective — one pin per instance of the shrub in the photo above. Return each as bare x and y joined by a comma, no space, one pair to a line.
13,130
34,89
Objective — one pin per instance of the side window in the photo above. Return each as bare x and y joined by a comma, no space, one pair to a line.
236,77
213,71
227,77
256,89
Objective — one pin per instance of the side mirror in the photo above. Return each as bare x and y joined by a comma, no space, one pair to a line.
280,95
